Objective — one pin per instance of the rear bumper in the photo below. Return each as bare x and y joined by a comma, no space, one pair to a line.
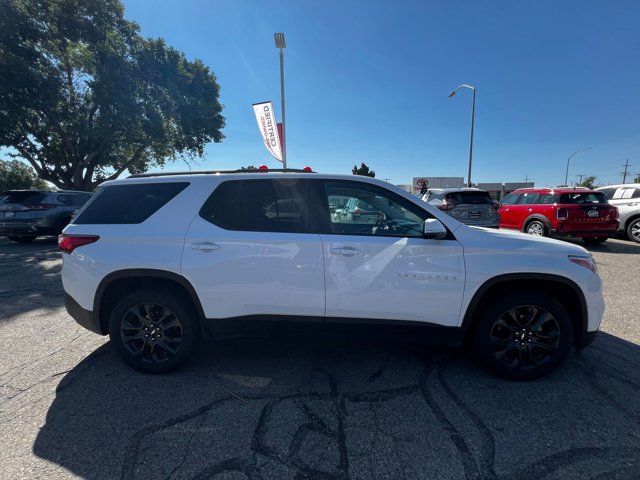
586,229
86,318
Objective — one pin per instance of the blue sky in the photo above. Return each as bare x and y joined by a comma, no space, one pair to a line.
368,81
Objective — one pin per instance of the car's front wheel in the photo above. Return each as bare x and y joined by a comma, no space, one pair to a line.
523,335
153,330
633,230
21,239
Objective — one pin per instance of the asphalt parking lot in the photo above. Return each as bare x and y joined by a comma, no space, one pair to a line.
308,407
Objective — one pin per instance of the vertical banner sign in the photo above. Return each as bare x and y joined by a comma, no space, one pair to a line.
268,128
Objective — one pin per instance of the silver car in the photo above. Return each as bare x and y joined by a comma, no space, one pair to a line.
627,198
471,206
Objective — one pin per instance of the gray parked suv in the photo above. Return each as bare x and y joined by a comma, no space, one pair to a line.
470,206
27,214
626,198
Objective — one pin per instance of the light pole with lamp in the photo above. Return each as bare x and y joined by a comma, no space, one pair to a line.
566,175
281,44
473,114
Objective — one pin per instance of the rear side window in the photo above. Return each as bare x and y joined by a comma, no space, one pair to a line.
128,204
469,198
259,206
547,199
583,197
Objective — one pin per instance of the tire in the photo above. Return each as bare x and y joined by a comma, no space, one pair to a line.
146,342
537,228
595,240
504,343
21,239
633,230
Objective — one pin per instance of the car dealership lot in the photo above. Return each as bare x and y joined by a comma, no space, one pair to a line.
307,407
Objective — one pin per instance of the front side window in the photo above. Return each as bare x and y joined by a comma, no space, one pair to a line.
510,199
259,206
528,199
370,210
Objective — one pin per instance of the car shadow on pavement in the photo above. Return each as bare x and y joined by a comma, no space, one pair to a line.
337,408
30,277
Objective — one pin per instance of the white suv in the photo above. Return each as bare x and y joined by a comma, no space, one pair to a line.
159,261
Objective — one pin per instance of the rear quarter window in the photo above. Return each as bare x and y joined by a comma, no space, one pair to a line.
129,204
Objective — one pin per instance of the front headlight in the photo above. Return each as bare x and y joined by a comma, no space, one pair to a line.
585,261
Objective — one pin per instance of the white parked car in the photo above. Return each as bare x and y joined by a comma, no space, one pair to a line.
626,198
158,261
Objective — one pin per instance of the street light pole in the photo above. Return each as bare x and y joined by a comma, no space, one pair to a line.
473,115
566,174
281,44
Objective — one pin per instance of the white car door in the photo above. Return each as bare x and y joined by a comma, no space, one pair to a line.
386,269
248,252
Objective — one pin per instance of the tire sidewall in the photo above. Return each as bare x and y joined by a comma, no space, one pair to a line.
186,315
539,222
492,312
633,222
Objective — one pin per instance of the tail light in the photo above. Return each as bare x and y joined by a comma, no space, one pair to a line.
614,212
562,214
446,206
68,243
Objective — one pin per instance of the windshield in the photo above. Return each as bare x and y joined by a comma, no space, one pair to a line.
469,198
583,197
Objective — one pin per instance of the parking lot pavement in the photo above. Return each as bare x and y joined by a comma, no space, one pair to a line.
307,407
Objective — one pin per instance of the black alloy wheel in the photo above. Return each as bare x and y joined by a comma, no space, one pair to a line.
154,330
525,337
151,332
522,335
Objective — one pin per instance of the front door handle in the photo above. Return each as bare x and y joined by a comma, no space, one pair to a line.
345,251
205,246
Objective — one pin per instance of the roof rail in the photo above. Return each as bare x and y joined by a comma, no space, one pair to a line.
214,172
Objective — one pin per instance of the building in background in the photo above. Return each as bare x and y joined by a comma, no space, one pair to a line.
497,190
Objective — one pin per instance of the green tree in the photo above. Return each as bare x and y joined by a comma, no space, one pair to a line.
589,182
363,169
249,167
84,97
15,175
637,179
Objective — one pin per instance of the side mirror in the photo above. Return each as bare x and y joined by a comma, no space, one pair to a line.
434,229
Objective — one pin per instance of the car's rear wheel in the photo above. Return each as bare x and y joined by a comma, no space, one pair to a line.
595,240
21,239
523,335
153,331
537,228
633,230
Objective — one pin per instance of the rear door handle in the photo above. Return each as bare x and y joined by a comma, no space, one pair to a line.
345,251
205,246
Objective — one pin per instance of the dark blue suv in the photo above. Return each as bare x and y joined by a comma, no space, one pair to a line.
27,214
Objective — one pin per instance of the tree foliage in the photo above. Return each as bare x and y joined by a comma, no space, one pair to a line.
363,169
589,182
84,97
16,175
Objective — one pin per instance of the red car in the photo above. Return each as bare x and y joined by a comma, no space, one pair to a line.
560,212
